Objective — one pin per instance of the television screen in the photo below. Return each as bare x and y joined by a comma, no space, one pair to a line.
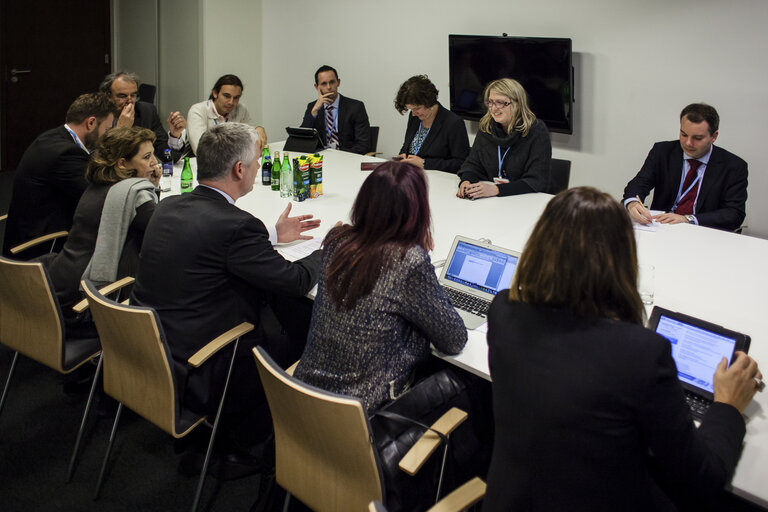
541,64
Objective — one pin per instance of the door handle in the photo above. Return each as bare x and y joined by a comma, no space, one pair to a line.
15,72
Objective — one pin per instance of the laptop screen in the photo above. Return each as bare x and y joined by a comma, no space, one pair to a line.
696,351
481,268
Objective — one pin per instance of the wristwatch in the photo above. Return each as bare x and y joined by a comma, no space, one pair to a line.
690,219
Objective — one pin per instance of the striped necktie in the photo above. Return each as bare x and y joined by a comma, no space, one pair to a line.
330,128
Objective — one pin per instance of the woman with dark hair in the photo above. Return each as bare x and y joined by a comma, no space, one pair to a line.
435,137
512,152
108,227
589,413
379,305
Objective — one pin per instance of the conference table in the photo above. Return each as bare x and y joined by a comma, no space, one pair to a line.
706,273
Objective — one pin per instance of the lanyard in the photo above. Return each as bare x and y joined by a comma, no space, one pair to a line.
501,158
418,141
682,194
77,139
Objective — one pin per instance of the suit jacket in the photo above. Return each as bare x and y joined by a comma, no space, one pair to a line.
446,145
723,193
354,129
145,115
206,266
46,188
580,405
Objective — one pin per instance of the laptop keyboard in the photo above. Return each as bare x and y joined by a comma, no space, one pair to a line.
697,404
467,302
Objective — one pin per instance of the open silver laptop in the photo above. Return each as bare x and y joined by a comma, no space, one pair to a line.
472,275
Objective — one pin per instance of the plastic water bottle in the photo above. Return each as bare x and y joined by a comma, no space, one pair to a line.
165,179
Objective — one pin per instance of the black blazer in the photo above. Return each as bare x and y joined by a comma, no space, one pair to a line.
146,116
354,128
578,408
67,267
723,194
46,188
206,266
446,145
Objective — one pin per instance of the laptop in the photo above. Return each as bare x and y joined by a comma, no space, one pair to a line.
472,275
697,348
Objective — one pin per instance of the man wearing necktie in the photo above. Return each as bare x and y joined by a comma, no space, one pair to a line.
693,181
341,122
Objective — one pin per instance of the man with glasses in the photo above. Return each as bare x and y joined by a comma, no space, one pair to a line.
123,88
693,181
341,122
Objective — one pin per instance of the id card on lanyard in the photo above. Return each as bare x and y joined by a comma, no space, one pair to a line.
501,179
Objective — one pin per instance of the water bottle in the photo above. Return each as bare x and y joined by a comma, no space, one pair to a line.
165,179
286,177
186,177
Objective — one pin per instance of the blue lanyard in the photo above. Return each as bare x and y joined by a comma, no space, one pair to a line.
77,140
501,158
682,194
418,141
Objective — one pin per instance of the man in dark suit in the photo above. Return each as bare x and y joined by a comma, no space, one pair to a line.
693,181
341,122
51,175
206,266
123,87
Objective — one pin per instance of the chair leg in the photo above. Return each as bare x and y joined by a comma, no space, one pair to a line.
215,428
442,470
8,380
106,455
287,501
75,452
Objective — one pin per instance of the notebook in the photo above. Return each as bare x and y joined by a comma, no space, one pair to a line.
473,273
697,348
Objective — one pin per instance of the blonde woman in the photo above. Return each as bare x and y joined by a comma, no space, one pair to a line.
512,151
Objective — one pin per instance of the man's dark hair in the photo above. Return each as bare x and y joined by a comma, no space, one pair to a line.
323,69
417,90
698,112
226,80
95,104
106,84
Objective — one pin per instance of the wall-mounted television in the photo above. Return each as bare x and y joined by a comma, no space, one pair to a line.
541,64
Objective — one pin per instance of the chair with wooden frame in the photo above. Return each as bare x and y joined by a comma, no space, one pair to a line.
138,371
31,322
323,447
52,237
460,499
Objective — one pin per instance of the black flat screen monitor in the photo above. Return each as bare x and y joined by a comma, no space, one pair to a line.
541,64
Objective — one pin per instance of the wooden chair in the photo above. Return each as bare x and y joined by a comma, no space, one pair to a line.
31,321
50,237
138,371
324,454
460,499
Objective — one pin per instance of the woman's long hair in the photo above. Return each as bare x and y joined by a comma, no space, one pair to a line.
391,210
522,119
582,256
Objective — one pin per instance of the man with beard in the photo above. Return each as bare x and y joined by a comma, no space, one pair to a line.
51,175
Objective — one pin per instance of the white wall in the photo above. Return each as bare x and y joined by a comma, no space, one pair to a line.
232,43
637,64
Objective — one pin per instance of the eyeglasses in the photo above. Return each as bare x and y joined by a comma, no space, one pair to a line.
498,104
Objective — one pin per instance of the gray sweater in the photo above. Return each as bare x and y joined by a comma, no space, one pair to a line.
371,350
526,165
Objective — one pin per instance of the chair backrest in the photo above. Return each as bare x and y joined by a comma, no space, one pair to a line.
374,139
147,93
137,365
324,454
30,316
560,175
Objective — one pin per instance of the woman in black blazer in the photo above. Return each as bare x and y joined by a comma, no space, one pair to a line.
122,153
589,413
435,138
